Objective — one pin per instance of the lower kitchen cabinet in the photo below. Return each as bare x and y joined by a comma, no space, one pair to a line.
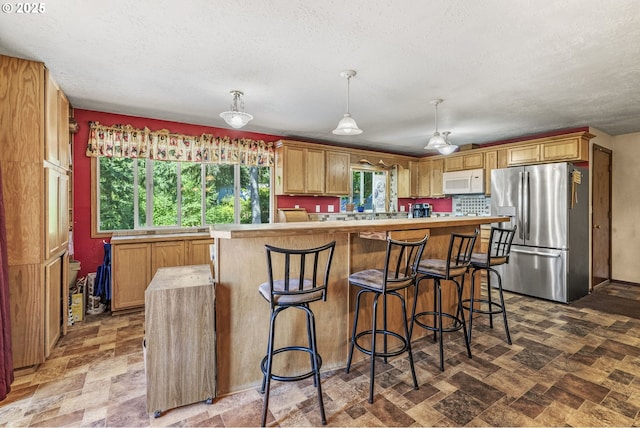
135,260
131,273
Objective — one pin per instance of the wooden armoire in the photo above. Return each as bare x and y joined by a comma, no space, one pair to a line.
35,159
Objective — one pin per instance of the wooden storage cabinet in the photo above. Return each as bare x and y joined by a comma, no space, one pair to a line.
337,176
34,159
180,338
131,273
574,149
300,170
463,161
437,166
136,259
404,182
523,155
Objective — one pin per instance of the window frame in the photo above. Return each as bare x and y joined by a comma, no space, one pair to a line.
95,202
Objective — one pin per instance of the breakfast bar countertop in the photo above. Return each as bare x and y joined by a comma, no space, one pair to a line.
231,231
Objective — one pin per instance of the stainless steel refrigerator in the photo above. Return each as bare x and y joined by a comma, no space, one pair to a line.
550,252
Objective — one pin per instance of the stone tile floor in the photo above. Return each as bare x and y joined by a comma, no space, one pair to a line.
566,367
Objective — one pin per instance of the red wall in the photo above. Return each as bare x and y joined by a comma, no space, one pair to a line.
90,251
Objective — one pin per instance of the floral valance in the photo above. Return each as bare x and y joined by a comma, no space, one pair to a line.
125,141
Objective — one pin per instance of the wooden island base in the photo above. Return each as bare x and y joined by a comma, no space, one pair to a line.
242,315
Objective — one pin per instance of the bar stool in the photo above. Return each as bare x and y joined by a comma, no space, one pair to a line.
306,275
453,267
499,249
398,273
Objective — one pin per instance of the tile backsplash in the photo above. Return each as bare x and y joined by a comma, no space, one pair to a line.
471,204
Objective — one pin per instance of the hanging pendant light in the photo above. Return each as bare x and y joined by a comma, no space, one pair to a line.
439,141
347,125
448,148
234,117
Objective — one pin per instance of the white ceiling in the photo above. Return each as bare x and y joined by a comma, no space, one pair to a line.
505,68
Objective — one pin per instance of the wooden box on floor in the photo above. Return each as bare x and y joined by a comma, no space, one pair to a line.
180,352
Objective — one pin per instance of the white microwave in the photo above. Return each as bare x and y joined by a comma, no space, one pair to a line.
463,182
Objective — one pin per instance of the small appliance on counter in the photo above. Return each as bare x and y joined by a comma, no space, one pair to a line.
421,210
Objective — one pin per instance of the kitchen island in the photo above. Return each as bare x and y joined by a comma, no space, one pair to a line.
242,315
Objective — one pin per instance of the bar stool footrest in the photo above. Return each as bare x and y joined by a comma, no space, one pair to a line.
457,322
403,343
489,311
263,364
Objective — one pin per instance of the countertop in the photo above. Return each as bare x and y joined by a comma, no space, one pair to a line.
234,231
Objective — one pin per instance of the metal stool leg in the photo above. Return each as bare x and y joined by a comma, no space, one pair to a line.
439,316
503,307
471,311
408,338
353,331
461,315
372,372
314,362
266,383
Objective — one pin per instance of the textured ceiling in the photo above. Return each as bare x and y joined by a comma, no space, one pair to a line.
505,68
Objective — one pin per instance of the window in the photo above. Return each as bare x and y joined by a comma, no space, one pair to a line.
145,194
368,189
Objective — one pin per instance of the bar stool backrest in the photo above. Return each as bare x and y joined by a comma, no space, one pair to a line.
402,259
302,272
459,254
500,241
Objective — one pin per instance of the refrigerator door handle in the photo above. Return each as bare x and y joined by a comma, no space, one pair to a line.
525,203
519,213
535,253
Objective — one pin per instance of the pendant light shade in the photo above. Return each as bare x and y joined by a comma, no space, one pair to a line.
439,141
347,125
234,117
448,148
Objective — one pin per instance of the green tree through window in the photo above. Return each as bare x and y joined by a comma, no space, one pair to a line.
139,193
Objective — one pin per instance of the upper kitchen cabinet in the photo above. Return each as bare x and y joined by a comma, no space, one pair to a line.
464,161
34,136
437,168
562,148
299,170
56,139
570,149
337,173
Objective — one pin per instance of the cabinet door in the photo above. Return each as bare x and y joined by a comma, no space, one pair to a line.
314,171
63,210
424,179
404,182
51,146
293,170
64,149
490,163
414,173
503,160
436,177
199,252
473,161
52,212
564,150
453,163
523,155
53,303
337,173
167,254
131,273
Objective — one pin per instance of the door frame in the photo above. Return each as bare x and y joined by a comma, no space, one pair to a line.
593,199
